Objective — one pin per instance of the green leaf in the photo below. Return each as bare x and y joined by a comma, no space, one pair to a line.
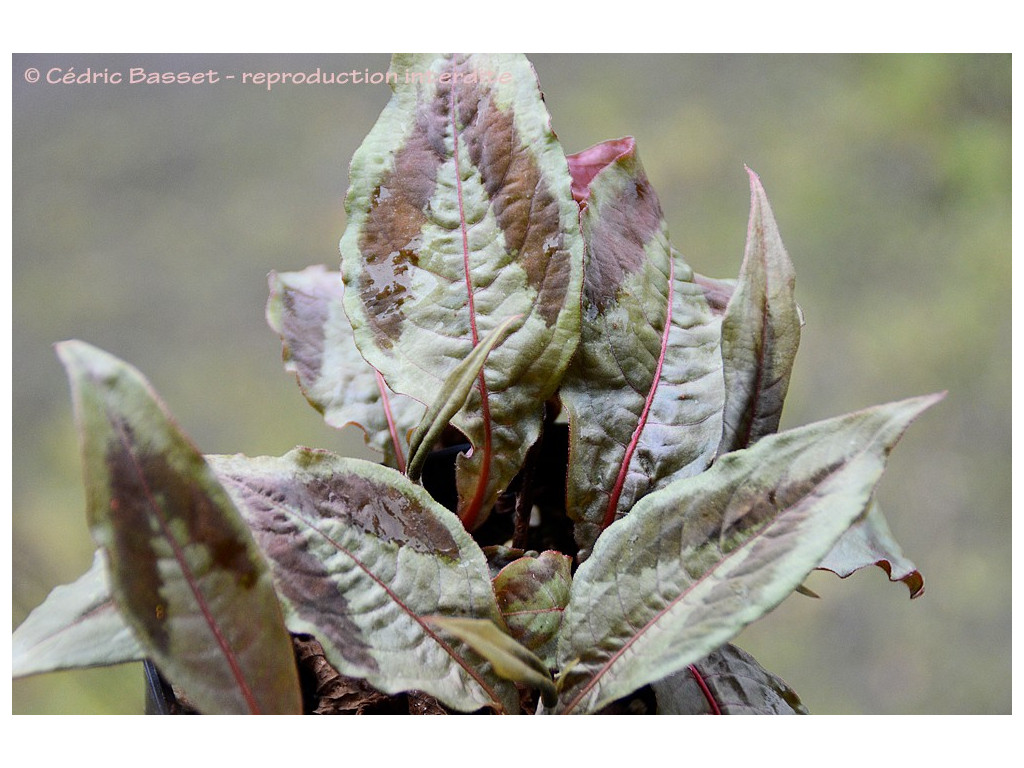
695,562
183,569
532,592
460,215
77,626
645,391
361,556
509,659
760,331
727,681
451,398
305,309
870,542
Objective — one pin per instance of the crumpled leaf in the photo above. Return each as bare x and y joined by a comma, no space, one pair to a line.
460,215
360,556
532,592
509,658
760,331
727,681
183,569
305,309
645,392
870,542
77,626
698,560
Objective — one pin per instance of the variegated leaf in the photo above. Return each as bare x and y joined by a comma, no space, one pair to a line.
532,592
760,331
460,216
870,542
305,309
698,560
727,681
183,569
77,626
645,392
360,557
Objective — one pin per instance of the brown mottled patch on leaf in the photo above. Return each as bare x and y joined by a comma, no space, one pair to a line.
299,575
525,208
304,320
716,292
146,494
384,512
618,229
389,240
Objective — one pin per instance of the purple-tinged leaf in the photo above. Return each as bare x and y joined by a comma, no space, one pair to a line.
460,215
760,331
698,560
532,592
183,569
728,681
77,626
305,309
645,392
870,542
360,557
716,292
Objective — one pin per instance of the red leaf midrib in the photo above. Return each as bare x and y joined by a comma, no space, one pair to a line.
471,512
290,512
190,578
620,479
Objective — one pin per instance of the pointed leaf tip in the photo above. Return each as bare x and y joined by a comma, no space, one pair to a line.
183,569
696,561
760,331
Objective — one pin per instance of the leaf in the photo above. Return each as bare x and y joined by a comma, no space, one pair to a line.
360,557
870,542
305,309
695,562
532,592
645,392
760,331
451,398
183,569
716,292
460,215
727,681
77,626
509,659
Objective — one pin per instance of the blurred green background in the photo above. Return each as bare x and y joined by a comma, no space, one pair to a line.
146,219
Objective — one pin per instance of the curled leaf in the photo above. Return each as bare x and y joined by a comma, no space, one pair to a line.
451,398
870,542
760,331
509,659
